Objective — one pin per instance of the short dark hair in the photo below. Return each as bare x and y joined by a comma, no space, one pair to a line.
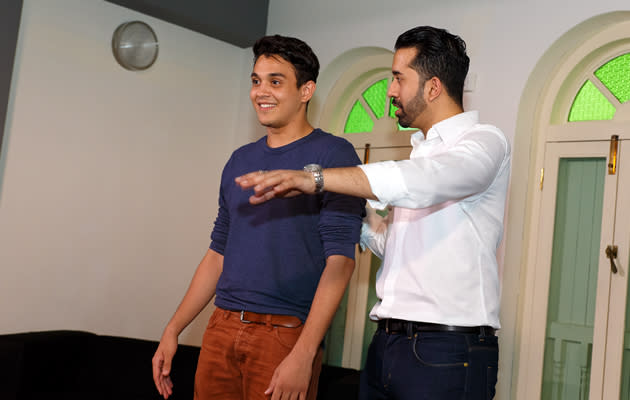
440,54
293,50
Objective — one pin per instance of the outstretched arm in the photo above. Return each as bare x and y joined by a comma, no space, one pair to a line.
467,168
287,183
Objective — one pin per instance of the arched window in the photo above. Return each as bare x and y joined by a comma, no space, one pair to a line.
373,104
601,94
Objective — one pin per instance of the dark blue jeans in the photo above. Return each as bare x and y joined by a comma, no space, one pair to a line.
430,366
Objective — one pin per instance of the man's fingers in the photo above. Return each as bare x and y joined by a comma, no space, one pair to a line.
272,386
248,180
269,181
157,372
255,178
271,194
167,386
161,378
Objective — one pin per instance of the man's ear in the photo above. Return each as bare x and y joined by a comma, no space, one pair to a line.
433,88
307,90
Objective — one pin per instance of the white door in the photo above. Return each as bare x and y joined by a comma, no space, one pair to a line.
578,329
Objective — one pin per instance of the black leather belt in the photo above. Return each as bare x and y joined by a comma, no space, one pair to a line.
399,326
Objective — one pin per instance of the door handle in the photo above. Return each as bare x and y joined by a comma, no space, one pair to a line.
611,253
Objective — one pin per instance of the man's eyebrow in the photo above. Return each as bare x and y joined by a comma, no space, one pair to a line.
273,75
396,73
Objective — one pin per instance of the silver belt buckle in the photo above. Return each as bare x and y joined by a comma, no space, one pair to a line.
244,320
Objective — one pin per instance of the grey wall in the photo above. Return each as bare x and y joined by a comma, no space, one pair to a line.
10,21
238,22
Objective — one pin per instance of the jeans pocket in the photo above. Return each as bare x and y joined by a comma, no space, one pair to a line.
439,350
491,381
287,336
484,365
214,318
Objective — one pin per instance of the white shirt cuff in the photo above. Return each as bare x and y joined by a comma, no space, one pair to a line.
386,182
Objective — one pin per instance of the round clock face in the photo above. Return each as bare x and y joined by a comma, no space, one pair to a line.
135,45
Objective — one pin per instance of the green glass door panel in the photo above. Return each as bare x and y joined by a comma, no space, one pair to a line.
573,280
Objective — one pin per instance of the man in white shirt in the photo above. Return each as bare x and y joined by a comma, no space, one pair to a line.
438,286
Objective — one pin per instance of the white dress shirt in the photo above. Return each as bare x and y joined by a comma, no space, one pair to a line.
439,246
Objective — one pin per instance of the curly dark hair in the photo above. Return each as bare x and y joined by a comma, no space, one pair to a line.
440,54
293,50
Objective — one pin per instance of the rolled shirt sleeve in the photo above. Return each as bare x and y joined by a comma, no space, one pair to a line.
467,168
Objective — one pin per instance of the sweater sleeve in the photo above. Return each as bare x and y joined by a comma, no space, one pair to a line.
341,215
222,223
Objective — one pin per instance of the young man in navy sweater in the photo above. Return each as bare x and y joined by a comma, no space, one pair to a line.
280,270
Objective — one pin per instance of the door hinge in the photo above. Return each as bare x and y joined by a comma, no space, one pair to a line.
612,156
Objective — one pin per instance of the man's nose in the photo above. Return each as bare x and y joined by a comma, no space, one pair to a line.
392,91
264,88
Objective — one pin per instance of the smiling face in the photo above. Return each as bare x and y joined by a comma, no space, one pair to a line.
274,93
407,89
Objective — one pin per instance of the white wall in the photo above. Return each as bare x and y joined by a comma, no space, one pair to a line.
109,178
505,40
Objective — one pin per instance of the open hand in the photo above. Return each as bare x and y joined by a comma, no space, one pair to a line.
277,183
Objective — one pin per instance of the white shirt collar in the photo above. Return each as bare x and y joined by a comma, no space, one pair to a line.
449,129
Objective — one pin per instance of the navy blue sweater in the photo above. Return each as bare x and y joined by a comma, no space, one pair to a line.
275,253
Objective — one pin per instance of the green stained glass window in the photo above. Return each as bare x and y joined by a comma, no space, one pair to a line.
359,120
615,75
376,97
590,104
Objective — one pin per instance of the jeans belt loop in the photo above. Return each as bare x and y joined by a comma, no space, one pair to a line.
483,332
244,320
268,322
410,329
